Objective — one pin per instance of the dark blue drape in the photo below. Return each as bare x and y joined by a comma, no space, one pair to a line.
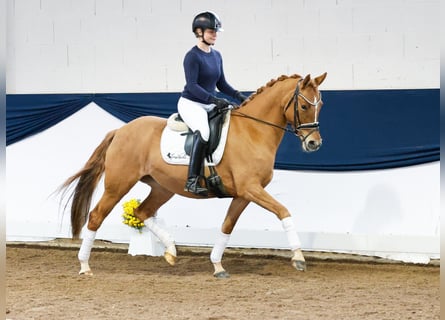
361,129
371,129
28,114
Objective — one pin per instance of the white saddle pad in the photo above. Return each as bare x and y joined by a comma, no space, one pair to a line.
172,142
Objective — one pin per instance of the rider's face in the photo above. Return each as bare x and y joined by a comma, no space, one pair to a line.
210,36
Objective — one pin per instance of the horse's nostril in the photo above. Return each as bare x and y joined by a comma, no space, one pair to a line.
313,145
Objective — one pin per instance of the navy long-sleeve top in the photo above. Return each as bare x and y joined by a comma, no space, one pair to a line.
203,74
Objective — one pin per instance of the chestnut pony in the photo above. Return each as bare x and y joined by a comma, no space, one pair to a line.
132,153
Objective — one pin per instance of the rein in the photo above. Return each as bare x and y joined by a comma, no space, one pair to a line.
240,114
297,125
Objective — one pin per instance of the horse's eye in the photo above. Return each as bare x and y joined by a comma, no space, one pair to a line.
304,107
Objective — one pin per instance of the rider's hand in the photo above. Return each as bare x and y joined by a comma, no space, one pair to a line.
241,97
220,103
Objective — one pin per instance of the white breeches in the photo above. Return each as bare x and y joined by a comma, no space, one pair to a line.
195,115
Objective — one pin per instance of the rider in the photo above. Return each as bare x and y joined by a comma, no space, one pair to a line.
204,73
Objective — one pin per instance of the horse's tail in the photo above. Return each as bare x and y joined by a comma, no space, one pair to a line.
89,176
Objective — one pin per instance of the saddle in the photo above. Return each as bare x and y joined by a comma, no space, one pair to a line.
217,119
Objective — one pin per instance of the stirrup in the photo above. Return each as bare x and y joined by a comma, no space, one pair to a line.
192,185
199,191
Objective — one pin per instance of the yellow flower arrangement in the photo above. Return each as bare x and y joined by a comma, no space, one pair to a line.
129,217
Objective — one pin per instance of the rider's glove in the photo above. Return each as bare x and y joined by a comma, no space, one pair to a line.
220,103
241,97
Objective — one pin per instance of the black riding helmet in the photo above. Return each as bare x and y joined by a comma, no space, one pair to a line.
206,20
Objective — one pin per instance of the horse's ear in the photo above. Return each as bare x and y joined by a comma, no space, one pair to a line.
318,80
306,80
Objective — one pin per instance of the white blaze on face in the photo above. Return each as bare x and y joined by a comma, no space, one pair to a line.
316,109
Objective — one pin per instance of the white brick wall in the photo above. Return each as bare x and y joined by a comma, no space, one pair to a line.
138,45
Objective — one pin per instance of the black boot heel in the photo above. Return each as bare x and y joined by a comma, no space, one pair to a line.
192,185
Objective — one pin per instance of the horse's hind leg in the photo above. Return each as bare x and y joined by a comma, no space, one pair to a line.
107,202
146,211
237,206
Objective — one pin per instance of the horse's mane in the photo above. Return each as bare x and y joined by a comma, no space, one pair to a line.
268,85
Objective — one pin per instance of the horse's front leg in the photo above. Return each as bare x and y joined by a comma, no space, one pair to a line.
236,207
262,198
298,261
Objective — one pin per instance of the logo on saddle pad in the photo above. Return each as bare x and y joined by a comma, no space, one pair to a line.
174,145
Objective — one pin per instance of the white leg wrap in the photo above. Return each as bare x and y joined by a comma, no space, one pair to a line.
291,233
85,268
163,235
87,244
218,248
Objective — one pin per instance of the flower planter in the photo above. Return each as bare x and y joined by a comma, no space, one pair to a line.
145,243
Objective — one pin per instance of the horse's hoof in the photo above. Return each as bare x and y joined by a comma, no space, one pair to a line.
299,265
221,275
86,272
171,259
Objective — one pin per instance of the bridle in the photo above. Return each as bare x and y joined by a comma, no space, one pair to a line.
297,126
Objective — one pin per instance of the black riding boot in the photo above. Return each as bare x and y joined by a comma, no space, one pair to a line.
196,161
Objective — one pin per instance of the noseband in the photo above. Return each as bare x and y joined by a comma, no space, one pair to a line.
297,126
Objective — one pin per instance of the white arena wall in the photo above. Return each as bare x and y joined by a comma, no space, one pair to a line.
92,46
89,46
